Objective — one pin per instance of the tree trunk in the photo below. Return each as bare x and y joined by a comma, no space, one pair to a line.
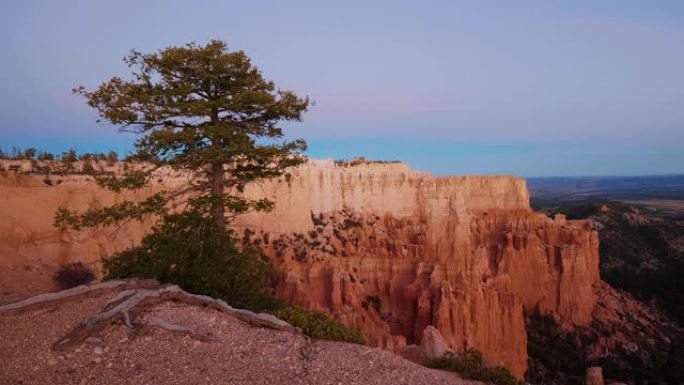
217,178
217,208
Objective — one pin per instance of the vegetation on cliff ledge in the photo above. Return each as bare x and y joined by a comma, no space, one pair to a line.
640,253
318,325
470,365
189,250
209,112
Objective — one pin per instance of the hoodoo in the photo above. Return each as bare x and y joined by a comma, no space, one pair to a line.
381,247
391,251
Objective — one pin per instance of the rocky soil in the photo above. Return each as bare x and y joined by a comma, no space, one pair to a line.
220,349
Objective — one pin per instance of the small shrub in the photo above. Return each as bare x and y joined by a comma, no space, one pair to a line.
72,275
300,255
317,324
191,251
318,220
470,366
350,223
88,168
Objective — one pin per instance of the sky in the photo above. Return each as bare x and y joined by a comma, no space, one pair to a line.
530,88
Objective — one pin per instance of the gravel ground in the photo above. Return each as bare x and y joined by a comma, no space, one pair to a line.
223,350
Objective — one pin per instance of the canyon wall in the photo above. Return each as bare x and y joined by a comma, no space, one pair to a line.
391,250
381,247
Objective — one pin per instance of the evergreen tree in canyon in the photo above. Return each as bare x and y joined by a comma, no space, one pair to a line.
207,112
200,109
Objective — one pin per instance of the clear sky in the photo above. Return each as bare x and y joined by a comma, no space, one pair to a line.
577,87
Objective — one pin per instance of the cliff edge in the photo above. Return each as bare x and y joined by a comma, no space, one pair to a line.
379,246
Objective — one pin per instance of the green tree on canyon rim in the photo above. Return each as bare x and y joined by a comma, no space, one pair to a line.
209,112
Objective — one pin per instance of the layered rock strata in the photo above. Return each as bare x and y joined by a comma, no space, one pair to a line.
391,251
381,247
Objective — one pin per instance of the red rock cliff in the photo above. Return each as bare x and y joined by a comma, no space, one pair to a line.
381,247
391,251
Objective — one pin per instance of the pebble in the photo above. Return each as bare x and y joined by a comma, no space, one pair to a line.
93,340
97,350
52,362
109,365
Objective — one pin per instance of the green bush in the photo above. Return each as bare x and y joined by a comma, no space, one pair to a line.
190,251
317,324
470,366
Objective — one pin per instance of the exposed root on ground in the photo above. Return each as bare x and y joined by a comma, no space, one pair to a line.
128,305
67,295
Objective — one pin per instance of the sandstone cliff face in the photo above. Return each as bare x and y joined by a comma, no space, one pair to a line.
392,251
386,249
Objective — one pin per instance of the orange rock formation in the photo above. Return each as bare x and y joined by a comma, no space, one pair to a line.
383,248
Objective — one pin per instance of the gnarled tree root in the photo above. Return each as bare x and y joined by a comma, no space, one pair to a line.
78,291
124,307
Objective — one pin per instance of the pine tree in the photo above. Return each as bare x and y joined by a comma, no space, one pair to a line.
200,109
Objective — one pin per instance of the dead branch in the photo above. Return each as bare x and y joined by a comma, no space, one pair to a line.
69,294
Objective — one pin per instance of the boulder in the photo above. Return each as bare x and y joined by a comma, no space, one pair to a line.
594,376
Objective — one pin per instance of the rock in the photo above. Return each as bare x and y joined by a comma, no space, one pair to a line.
412,353
93,340
399,250
594,376
97,350
432,344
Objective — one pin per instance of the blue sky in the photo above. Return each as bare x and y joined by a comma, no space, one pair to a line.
453,87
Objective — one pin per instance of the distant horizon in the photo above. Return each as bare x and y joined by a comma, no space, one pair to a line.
531,88
121,154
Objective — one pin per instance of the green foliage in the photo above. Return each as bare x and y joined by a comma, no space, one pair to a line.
107,216
361,160
30,153
317,324
88,168
558,356
205,110
69,156
43,156
112,157
191,251
643,257
471,366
